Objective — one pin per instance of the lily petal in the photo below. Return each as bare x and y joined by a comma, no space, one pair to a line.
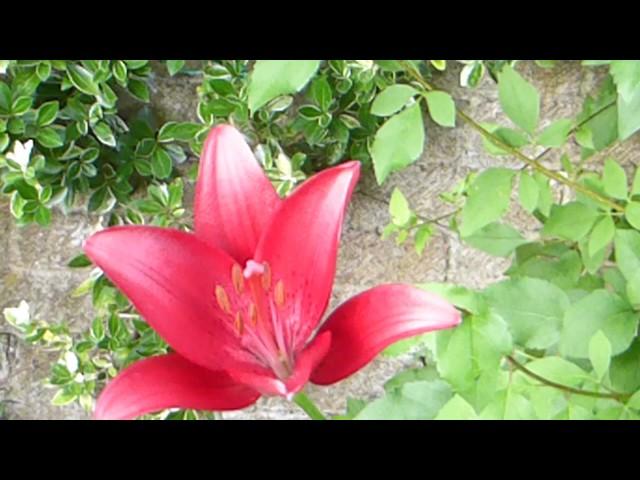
307,362
234,199
367,323
301,246
171,277
169,381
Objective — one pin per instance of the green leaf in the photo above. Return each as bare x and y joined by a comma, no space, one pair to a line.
398,143
82,79
139,89
174,66
599,310
488,199
558,370
392,99
628,115
627,250
422,237
496,239
457,409
5,98
49,138
556,133
626,74
519,99
545,196
614,179
632,214
600,354
442,108
399,208
320,92
509,405
420,400
533,322
602,234
47,113
120,72
136,64
79,261
272,78
63,397
624,373
182,131
571,221
469,356
42,216
43,70
635,188
460,296
103,132
161,164
21,105
634,401
528,193
562,267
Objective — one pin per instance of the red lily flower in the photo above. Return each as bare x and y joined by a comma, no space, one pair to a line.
241,299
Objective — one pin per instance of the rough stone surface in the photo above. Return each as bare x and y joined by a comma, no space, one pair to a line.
33,266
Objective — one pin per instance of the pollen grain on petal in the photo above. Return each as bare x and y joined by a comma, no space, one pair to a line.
223,299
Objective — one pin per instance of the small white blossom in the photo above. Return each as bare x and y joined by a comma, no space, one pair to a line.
71,361
21,154
3,66
18,316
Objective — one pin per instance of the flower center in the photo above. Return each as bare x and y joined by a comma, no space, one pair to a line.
255,312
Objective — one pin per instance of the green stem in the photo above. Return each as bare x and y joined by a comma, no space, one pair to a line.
533,163
306,404
621,397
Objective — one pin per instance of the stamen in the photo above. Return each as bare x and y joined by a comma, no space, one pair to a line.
239,323
266,277
237,279
278,294
223,300
253,314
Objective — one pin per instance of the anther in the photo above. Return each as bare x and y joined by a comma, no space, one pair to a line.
266,277
278,293
237,278
238,323
253,314
223,300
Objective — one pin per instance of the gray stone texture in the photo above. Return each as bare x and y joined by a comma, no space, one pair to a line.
33,266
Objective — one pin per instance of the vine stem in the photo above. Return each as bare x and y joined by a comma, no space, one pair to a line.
621,397
533,163
305,403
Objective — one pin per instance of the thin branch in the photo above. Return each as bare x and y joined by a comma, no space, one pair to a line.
621,397
517,153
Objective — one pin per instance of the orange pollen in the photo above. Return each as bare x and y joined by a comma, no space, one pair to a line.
237,278
223,300
266,277
239,323
278,293
253,314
